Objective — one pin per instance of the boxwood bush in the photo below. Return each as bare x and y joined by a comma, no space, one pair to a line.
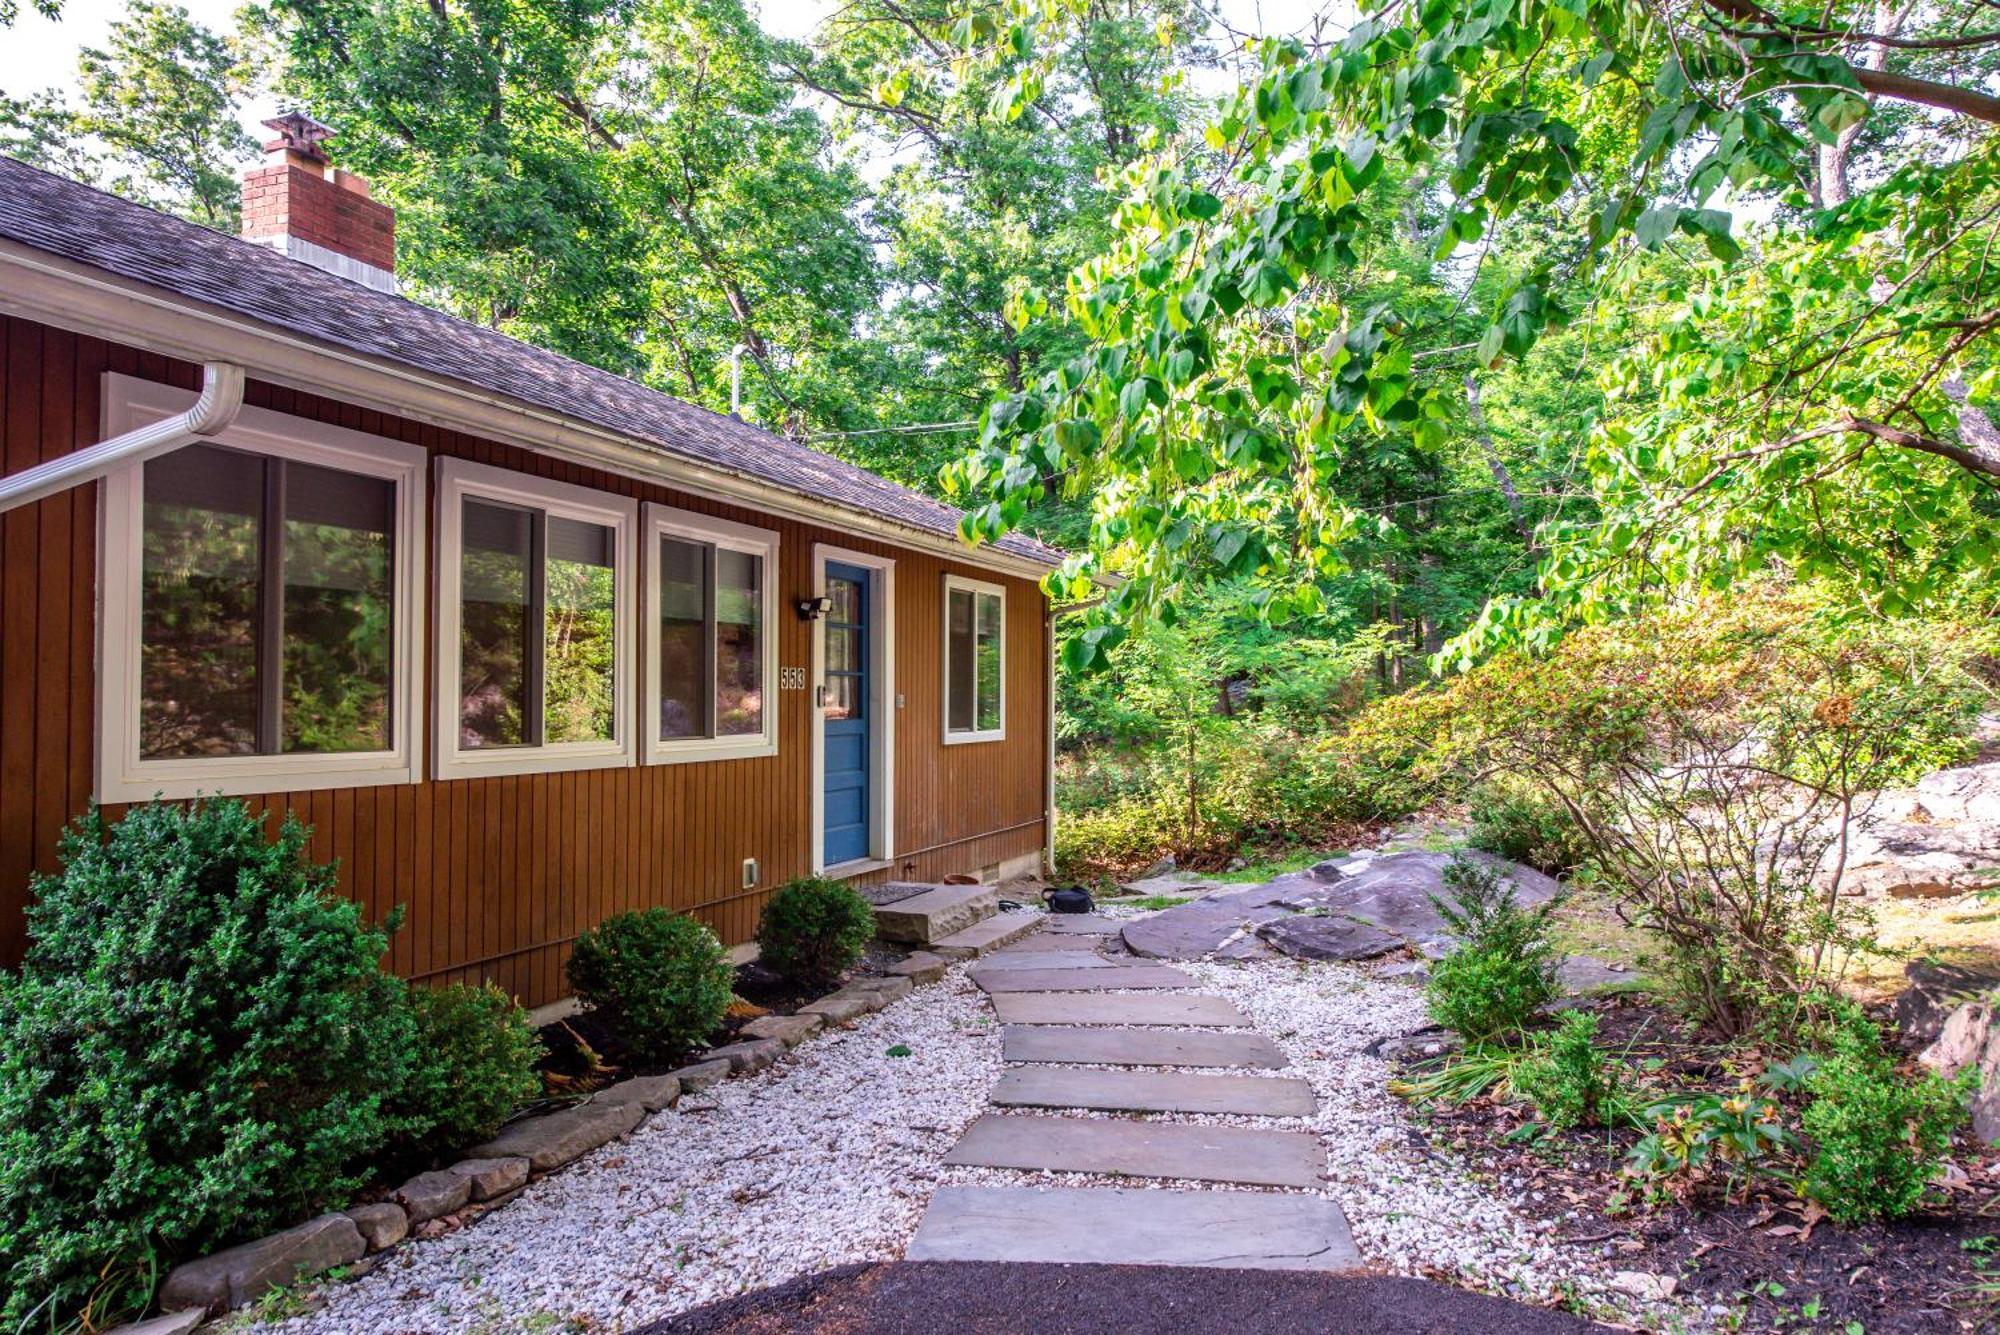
813,930
199,1047
1504,968
658,979
474,1064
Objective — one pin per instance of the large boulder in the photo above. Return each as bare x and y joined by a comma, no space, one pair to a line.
1936,990
1970,1040
1938,838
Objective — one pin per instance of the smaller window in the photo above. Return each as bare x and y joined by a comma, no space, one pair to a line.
711,661
533,624
975,660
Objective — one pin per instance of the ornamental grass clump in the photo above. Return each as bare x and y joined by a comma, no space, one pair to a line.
199,1047
813,930
1504,968
659,980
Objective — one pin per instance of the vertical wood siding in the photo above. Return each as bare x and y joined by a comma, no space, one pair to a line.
498,874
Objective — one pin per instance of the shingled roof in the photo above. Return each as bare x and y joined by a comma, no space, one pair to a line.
133,242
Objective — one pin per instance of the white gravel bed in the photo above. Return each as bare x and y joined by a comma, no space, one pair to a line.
827,1158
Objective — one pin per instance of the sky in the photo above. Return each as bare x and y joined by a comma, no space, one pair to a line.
40,53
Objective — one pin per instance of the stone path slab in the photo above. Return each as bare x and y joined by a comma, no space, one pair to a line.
1137,976
1127,1226
1138,1047
1086,924
1156,1008
1154,1091
1045,959
1046,941
1142,1149
984,936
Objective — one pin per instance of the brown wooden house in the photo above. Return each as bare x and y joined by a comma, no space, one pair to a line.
524,642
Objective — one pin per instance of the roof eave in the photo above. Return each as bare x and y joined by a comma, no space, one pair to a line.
51,290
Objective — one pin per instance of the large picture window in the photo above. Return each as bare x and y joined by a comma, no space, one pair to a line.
534,609
975,660
711,661
260,594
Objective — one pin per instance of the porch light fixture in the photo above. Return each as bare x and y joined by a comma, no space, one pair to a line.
812,609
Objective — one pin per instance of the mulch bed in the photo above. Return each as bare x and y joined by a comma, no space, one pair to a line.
1768,1256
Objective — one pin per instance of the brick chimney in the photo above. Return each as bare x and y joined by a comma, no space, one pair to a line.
298,205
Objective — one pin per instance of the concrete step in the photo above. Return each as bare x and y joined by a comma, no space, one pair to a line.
1245,1230
986,935
1114,1146
926,919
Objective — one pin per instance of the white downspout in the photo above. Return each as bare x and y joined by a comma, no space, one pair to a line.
221,397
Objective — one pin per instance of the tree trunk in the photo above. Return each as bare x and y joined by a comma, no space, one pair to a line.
1494,463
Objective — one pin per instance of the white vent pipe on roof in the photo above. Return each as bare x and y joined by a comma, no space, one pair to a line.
736,379
221,397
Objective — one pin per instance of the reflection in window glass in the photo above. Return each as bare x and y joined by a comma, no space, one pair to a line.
739,656
200,589
960,661
683,638
973,660
578,637
988,608
495,601
337,610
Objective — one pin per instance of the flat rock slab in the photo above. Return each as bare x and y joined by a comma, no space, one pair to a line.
1138,1047
1142,1149
1147,977
1040,941
1332,937
1192,1010
1082,924
1200,929
989,934
1128,1226
1153,1091
1045,959
936,913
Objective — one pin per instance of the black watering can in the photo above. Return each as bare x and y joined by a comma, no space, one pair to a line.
1068,899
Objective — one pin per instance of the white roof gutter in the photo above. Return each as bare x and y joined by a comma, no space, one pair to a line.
221,397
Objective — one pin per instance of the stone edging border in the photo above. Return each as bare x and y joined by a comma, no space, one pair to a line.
488,1176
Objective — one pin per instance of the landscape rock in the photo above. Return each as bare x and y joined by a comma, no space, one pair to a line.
1430,1041
492,1178
244,1274
1584,974
791,1030
843,1007
749,1055
1644,1286
382,1224
1961,1041
172,1323
889,989
700,1075
921,967
549,1142
1313,937
651,1092
428,1195
1938,838
1935,990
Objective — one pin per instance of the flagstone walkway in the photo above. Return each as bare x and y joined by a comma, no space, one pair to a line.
1091,1029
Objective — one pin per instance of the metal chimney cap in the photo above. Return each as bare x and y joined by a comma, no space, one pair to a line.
299,133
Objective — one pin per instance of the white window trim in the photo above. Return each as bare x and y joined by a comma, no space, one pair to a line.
122,776
667,521
881,698
960,737
458,479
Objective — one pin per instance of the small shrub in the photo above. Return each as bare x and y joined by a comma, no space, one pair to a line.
475,1063
1522,825
659,980
199,1047
1503,970
813,930
1569,1082
1877,1136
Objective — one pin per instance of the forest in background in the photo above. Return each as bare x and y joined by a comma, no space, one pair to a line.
1353,355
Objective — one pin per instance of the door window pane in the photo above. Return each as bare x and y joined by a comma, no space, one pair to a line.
337,563
578,640
683,638
495,600
739,651
200,595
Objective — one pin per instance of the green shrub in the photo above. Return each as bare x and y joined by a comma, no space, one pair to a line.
1565,1077
1877,1135
475,1063
659,980
199,1047
1503,969
1522,825
813,930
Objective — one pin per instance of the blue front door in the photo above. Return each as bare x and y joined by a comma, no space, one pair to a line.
844,691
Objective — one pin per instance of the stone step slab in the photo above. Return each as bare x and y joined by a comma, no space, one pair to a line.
1127,1226
1046,959
985,936
1251,1157
927,918
1192,1010
1153,1091
1082,924
1138,1047
1146,977
1046,940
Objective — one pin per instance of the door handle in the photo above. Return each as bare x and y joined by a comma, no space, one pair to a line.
819,697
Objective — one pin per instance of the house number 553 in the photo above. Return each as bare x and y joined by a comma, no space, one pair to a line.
791,679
